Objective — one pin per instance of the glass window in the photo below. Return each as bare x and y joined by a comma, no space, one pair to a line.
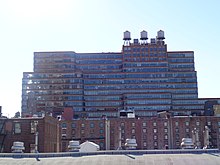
145,144
101,125
17,127
73,125
177,143
165,137
165,130
101,131
63,135
144,124
33,126
165,124
91,125
133,124
177,136
177,130
209,123
144,130
155,130
63,125
64,131
187,123
154,124
176,123
82,125
133,131
197,123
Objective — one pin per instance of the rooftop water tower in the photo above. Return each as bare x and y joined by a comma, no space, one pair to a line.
127,37
144,36
160,35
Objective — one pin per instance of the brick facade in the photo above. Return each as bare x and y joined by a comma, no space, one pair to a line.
150,133
21,129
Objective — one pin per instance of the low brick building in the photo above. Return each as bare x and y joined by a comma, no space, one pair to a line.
83,130
150,133
24,130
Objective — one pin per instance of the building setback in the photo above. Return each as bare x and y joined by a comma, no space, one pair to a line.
144,77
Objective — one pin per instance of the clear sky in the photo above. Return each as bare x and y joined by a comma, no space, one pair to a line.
27,26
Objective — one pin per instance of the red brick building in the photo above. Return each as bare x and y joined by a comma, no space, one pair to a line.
82,130
150,133
23,129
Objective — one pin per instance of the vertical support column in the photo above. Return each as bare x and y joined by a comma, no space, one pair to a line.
36,136
107,134
195,135
206,137
58,138
119,138
170,132
36,142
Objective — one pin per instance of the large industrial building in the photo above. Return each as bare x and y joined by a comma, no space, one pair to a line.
144,78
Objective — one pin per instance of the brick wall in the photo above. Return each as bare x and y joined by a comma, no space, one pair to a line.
150,133
48,139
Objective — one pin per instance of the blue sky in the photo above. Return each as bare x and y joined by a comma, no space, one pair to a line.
27,26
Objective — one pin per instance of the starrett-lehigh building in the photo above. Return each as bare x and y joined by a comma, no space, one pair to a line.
144,77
